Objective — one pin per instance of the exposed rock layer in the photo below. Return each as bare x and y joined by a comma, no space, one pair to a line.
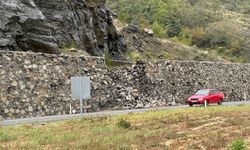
24,27
43,26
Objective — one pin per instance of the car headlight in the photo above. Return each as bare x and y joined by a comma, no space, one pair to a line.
200,99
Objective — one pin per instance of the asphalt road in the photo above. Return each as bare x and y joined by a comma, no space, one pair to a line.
98,114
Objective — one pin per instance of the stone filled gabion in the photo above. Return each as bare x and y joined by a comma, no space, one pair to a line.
35,85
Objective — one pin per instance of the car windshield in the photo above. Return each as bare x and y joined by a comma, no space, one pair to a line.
202,92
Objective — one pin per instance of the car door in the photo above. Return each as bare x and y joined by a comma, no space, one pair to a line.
217,96
212,97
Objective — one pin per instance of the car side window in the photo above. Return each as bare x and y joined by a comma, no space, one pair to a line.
213,92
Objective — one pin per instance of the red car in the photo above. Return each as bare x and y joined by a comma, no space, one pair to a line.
208,96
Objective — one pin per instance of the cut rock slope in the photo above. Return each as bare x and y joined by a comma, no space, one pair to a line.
45,26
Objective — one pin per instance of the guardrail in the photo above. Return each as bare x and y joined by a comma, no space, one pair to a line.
98,114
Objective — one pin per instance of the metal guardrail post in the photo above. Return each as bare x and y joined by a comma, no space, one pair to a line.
205,103
70,108
173,101
245,96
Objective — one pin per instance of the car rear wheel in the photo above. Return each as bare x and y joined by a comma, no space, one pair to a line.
220,102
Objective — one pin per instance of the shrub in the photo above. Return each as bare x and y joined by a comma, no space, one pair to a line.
198,36
73,44
133,55
174,27
185,36
159,31
123,147
124,124
221,50
63,45
238,145
240,59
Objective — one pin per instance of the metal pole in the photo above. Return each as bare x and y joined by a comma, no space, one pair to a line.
86,109
81,99
245,96
81,105
174,102
70,109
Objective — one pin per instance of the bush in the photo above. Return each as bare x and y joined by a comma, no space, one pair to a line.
198,36
133,55
240,59
174,27
238,145
185,36
159,31
124,124
123,147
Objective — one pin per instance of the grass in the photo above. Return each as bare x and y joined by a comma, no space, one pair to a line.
133,55
238,145
194,128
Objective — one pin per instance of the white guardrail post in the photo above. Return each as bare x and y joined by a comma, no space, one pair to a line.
173,101
205,103
245,96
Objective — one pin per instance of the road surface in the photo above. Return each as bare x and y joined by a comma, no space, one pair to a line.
99,114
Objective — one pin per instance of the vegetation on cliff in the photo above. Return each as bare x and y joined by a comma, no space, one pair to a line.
220,26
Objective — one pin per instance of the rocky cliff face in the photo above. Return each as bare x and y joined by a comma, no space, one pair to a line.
43,26
24,27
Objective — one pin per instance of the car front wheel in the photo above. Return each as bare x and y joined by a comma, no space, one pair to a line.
191,105
220,102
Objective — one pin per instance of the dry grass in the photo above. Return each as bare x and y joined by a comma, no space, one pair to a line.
195,128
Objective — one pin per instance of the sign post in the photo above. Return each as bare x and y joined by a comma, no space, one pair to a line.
80,89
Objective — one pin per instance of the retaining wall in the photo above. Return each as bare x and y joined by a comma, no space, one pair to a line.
34,84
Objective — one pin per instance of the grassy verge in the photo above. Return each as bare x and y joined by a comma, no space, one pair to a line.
195,128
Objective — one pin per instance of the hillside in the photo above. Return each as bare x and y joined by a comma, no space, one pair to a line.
216,30
141,45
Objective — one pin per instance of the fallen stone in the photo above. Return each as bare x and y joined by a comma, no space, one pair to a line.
148,31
